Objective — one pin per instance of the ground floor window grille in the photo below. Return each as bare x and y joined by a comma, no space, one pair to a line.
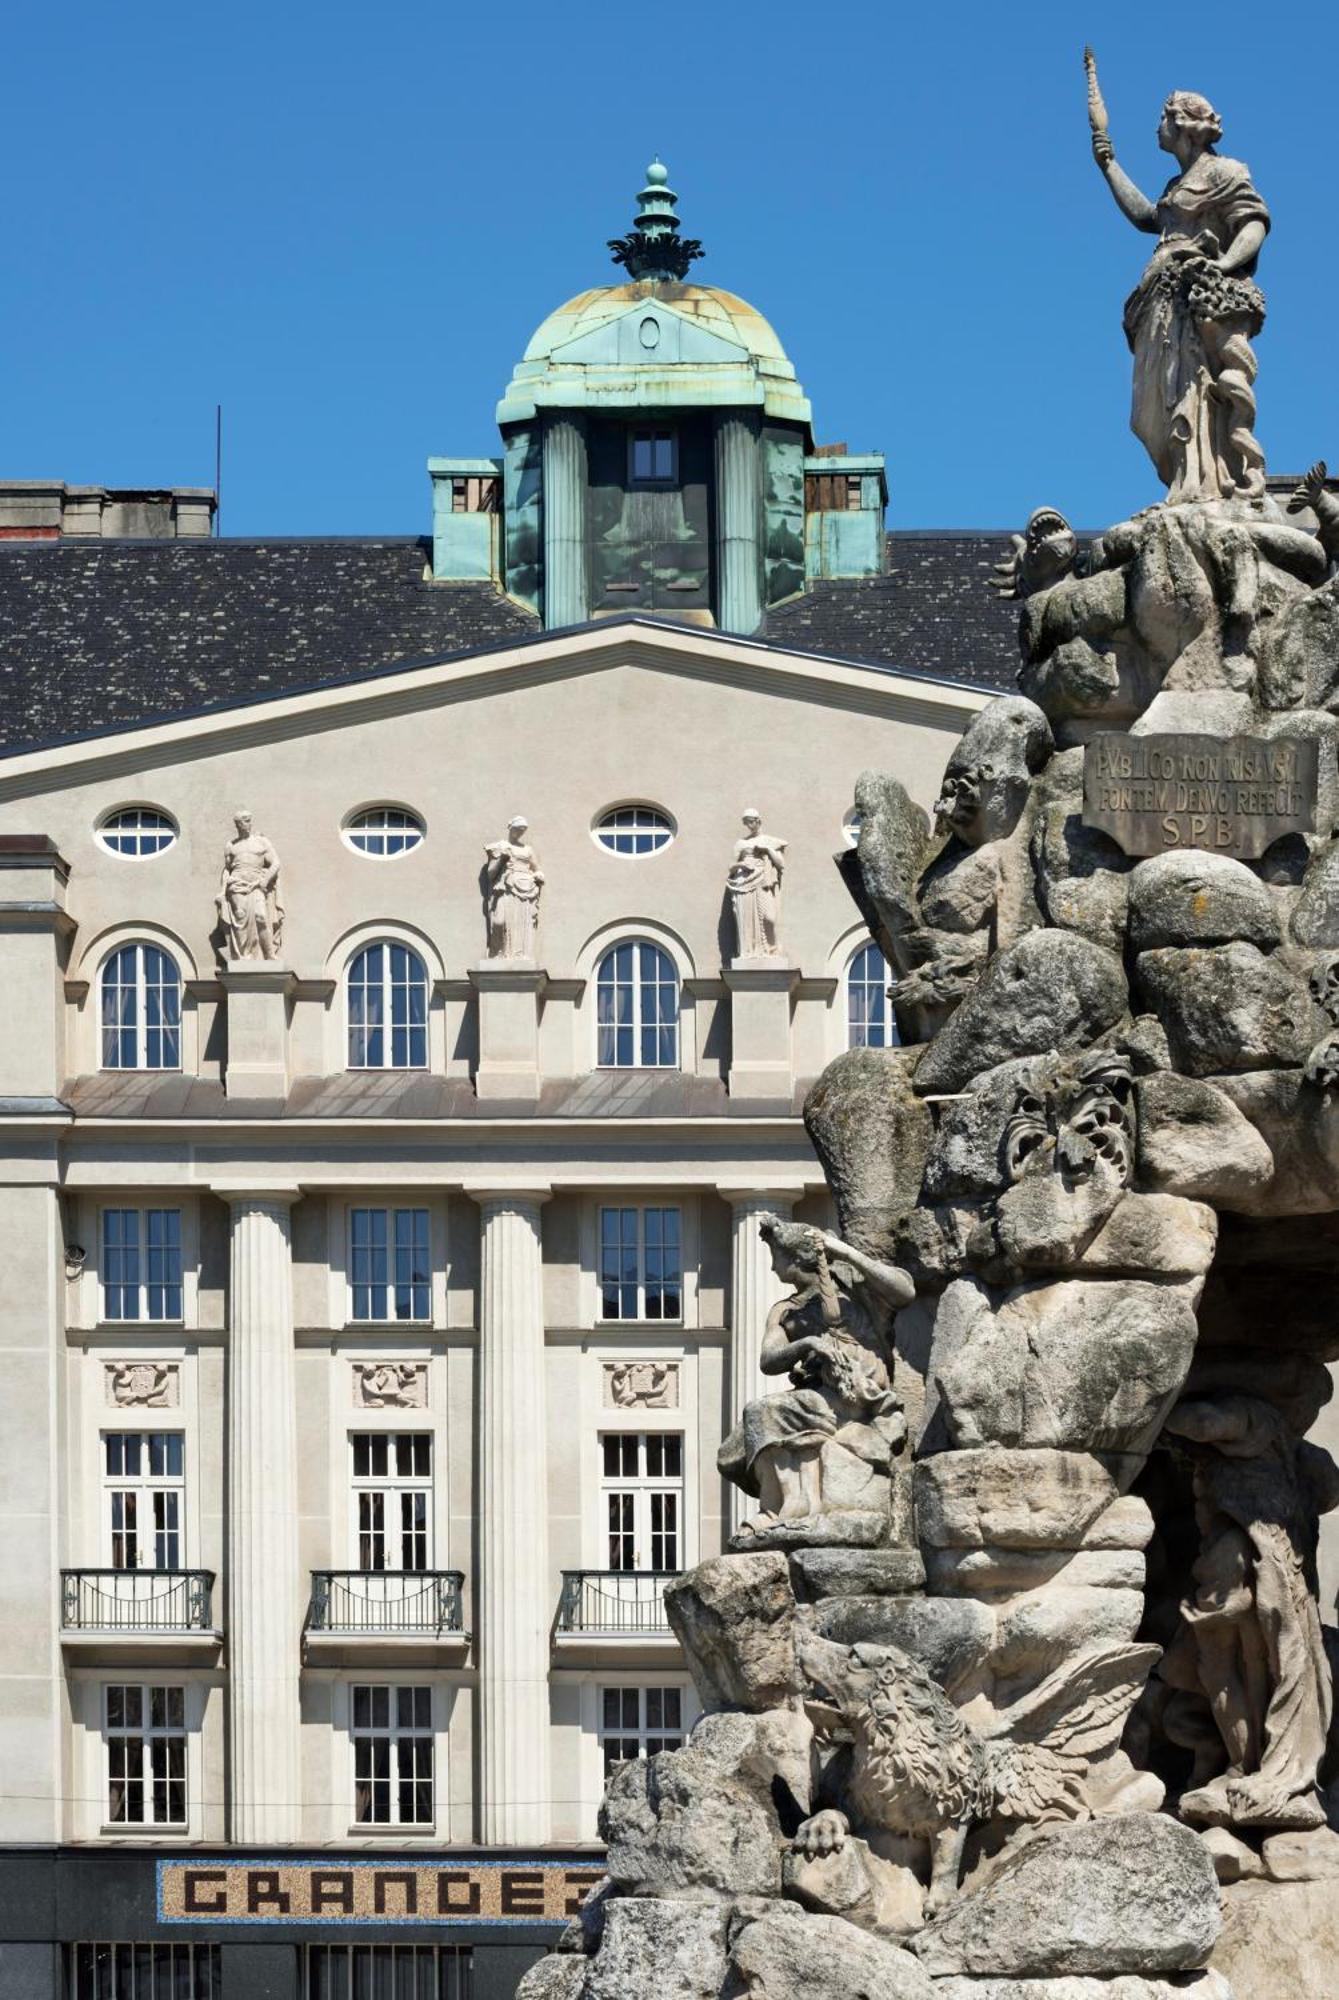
146,1755
386,1972
392,1757
145,1972
639,1722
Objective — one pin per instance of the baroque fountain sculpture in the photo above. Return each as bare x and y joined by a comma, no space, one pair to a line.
1020,1670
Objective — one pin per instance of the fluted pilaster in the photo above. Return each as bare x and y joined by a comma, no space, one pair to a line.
738,507
515,1611
564,522
754,1290
264,1583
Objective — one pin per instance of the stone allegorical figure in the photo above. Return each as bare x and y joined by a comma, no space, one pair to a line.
829,1336
1252,1640
754,882
248,894
1191,316
513,880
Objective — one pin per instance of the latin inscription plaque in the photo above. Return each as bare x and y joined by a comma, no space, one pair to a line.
1230,794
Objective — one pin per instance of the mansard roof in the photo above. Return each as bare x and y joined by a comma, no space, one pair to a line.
111,635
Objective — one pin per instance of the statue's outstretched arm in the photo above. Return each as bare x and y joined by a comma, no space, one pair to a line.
889,1280
1132,203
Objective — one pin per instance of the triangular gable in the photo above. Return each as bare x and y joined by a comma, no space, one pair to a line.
647,334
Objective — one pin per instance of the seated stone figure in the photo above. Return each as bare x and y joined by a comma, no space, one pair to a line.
819,1456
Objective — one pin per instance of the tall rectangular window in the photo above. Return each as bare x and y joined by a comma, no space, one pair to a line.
392,1486
639,1722
642,1499
390,1264
641,1264
146,1755
140,1263
392,1756
144,1478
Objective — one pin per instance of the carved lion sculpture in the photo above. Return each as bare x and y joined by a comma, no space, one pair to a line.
915,1767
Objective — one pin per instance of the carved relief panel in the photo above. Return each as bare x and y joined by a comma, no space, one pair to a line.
383,1385
147,1385
641,1385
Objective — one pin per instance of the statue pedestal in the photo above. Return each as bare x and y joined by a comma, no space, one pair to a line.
761,997
509,991
258,991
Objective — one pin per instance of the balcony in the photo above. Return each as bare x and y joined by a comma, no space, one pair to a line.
625,1606
152,1613
353,1611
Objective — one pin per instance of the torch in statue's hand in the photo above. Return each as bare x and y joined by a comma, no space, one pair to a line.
1103,151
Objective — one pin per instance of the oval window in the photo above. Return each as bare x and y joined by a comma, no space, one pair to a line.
384,830
137,830
634,830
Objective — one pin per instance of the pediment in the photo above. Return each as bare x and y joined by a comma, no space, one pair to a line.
649,334
606,646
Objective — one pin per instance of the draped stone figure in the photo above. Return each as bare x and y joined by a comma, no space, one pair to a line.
818,1455
754,882
248,894
1190,319
513,881
1252,1642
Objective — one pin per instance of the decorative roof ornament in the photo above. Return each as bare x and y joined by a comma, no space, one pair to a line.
653,248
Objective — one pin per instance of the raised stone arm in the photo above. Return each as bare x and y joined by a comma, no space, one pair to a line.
1133,204
890,1281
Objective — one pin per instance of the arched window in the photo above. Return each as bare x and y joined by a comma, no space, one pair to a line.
388,1008
141,1009
869,1011
637,1008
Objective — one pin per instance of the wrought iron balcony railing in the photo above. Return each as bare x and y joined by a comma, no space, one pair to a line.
426,1602
621,1601
136,1600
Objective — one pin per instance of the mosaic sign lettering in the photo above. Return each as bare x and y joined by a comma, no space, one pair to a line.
371,1892
1233,795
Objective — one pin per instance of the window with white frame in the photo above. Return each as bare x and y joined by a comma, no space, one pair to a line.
392,1756
383,831
641,1264
387,990
634,830
143,1474
139,1260
141,1009
146,1754
390,1264
870,1022
392,1497
641,1497
637,1008
137,831
639,1722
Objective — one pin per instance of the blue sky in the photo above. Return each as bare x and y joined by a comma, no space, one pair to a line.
343,223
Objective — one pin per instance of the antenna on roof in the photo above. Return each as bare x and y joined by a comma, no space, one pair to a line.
218,468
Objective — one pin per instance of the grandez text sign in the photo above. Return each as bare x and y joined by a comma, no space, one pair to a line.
1232,794
371,1892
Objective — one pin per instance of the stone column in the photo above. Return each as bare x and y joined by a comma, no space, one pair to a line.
514,1611
754,1290
565,601
738,506
265,1599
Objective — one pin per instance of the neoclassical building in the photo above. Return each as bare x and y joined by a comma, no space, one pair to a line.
418,951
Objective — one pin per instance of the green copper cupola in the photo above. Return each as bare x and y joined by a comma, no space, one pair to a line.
657,456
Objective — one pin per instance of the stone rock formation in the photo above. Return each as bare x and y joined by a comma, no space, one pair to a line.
1021,1668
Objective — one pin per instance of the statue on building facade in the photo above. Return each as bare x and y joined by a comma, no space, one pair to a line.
754,882
248,894
1190,319
513,881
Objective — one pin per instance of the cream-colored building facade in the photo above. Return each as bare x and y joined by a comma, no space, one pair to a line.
183,1241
